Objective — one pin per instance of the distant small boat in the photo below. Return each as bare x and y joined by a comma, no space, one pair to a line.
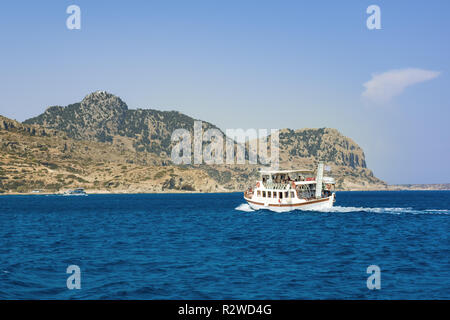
75,192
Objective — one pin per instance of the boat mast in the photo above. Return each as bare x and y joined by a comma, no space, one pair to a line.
319,179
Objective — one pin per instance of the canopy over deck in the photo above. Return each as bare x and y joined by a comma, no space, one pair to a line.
270,172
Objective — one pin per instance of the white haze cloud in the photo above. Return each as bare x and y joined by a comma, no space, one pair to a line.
384,86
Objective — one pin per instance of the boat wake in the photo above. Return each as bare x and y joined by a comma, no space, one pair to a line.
407,210
338,209
244,207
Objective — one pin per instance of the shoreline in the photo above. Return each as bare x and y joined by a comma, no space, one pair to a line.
194,192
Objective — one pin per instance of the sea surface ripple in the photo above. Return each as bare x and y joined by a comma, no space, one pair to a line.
213,246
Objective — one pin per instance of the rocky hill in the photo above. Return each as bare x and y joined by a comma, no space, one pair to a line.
103,117
36,158
101,145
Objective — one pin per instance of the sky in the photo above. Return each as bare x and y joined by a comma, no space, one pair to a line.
249,64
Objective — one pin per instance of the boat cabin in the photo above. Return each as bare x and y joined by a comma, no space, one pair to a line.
292,189
290,184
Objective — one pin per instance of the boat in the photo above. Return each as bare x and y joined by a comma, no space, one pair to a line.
287,190
75,192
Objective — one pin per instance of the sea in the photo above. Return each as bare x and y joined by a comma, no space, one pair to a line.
371,245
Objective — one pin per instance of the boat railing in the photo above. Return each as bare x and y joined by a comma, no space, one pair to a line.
276,186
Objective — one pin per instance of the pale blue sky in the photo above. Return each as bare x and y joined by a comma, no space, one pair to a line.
248,64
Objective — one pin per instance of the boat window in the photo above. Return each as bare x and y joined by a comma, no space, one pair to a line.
259,193
269,194
292,195
281,195
286,194
264,194
274,194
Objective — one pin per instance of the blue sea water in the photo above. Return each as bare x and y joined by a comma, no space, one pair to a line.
212,246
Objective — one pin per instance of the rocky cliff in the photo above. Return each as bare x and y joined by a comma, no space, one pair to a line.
346,160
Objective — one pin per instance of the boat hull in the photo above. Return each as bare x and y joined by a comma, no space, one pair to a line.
316,204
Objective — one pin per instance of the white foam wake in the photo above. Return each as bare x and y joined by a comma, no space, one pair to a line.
244,207
385,210
338,209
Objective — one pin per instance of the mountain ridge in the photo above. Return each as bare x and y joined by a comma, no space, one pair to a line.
101,117
104,120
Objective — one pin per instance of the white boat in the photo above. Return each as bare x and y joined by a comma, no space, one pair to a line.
75,192
287,190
